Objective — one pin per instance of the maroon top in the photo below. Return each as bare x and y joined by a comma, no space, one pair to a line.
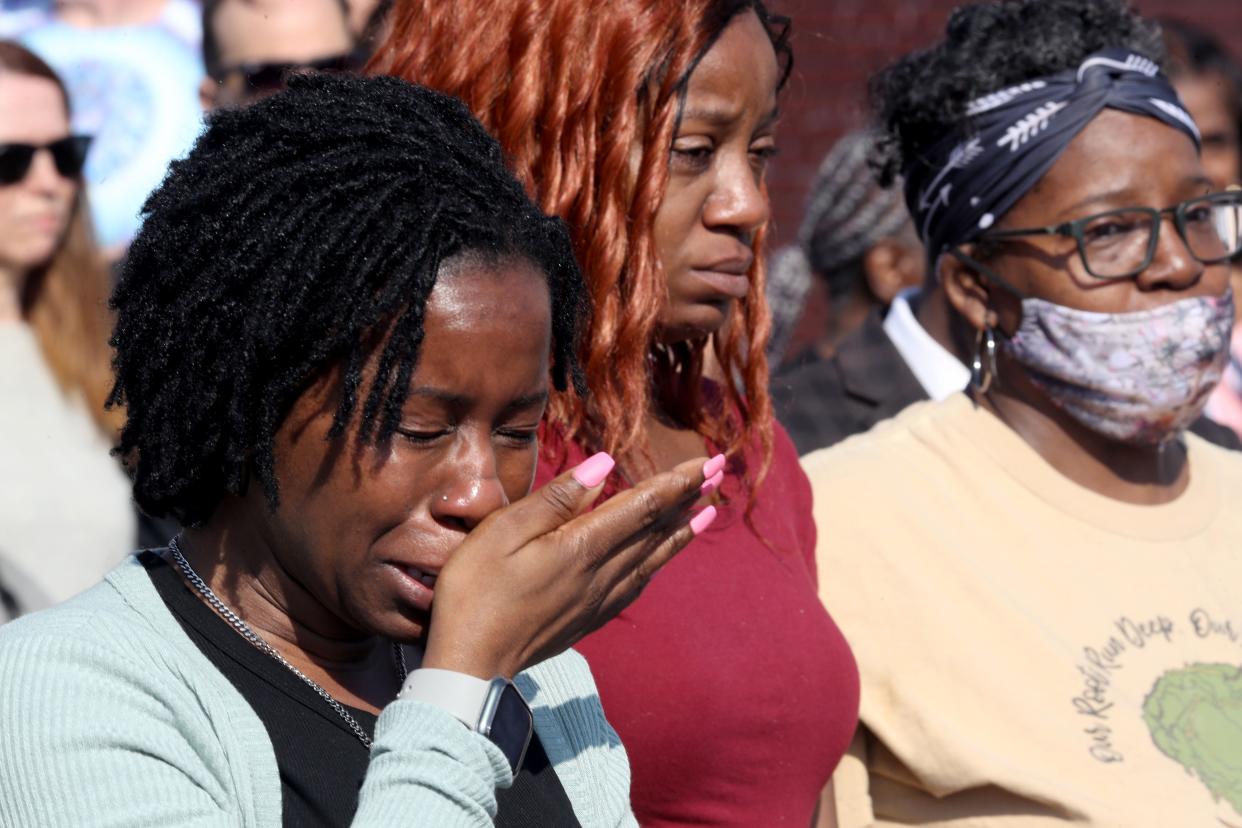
732,689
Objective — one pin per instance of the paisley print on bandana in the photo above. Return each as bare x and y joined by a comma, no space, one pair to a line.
959,188
1135,377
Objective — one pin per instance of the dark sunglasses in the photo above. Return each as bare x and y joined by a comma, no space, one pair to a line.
271,77
69,155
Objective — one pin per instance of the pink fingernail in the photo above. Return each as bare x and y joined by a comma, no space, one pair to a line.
594,469
702,520
714,465
711,484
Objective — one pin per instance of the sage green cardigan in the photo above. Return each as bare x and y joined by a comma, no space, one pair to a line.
111,716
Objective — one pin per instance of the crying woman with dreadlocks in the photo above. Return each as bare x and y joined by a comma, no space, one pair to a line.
336,336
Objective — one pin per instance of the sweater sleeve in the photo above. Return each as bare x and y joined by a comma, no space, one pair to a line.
588,755
103,724
425,763
141,749
92,738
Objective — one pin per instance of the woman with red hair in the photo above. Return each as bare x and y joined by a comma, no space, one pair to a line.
647,126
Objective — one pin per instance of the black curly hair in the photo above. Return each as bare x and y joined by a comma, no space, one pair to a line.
305,233
988,46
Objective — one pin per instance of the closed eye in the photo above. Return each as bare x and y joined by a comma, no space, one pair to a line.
423,438
693,158
519,436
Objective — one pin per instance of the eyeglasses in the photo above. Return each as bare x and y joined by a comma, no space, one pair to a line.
69,155
272,77
1120,244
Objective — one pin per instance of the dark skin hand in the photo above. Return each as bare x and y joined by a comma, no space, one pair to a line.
336,572
715,202
1119,160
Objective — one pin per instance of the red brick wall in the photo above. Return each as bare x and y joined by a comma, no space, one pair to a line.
839,43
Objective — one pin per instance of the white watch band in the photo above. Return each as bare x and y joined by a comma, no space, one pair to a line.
458,694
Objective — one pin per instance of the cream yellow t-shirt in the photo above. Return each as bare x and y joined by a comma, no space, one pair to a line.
1032,653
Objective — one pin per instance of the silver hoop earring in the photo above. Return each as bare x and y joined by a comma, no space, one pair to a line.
983,365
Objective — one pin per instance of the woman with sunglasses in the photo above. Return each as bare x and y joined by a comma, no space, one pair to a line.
647,125
65,516
1040,577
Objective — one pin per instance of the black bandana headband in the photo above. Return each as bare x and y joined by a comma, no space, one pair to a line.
961,187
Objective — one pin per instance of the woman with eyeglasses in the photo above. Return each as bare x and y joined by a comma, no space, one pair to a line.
1040,577
65,516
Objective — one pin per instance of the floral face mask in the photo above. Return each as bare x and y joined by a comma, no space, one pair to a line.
1135,377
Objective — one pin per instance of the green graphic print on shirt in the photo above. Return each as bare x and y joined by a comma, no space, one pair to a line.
1195,718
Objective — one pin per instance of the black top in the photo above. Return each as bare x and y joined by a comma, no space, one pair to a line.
321,762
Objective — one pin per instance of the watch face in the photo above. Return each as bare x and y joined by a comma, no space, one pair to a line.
512,726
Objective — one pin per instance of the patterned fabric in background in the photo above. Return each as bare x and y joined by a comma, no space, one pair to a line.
134,88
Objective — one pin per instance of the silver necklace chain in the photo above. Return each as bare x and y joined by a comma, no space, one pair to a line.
250,635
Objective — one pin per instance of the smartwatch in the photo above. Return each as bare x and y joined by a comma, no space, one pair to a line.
494,709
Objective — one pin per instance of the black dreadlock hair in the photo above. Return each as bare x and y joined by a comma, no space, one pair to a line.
302,233
988,46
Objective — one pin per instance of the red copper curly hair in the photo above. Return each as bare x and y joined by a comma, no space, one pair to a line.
584,97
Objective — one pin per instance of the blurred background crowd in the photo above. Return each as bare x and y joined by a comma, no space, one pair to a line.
853,340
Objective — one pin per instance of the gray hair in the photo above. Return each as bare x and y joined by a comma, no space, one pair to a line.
846,214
